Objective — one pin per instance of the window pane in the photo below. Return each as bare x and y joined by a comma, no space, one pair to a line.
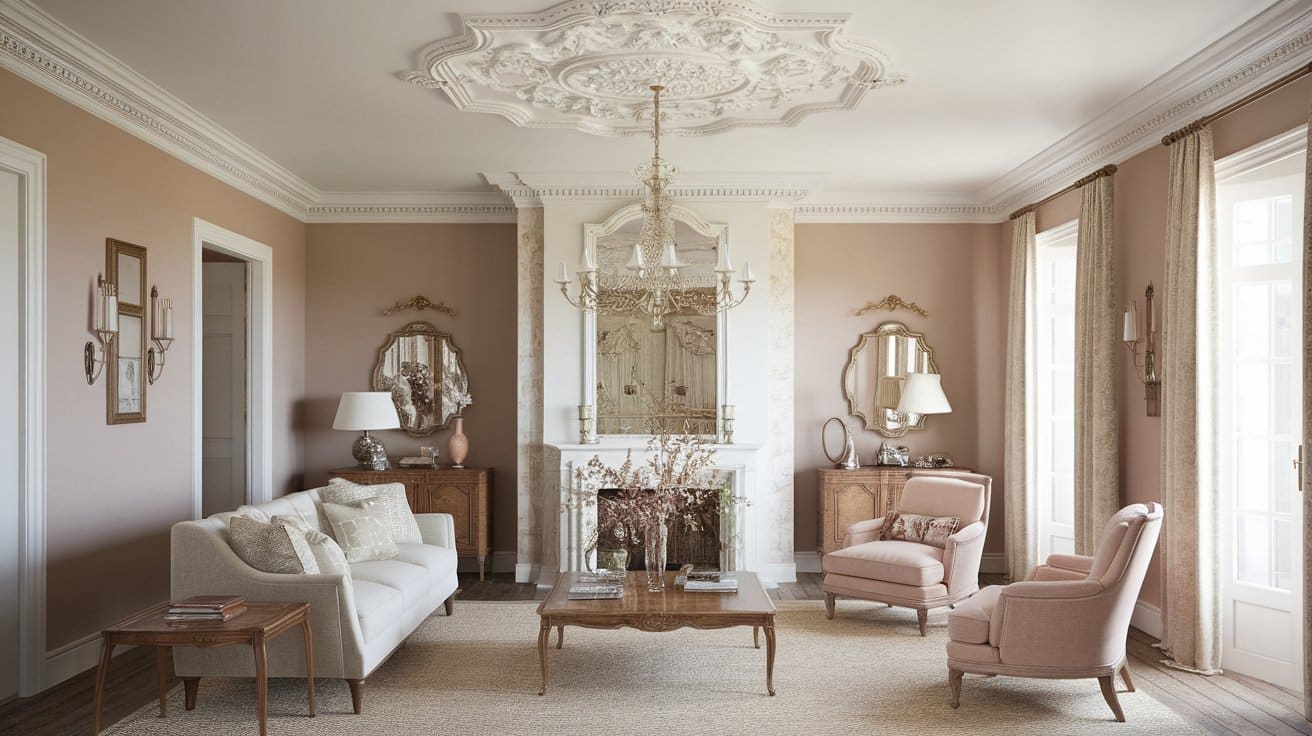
1252,310
1063,499
1285,550
1284,490
1252,222
1252,392
1252,549
1253,474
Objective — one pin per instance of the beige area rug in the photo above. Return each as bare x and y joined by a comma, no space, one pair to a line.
868,671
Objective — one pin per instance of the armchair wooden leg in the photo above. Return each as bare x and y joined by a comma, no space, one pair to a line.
829,605
450,604
189,687
954,680
1125,675
1108,685
922,616
357,695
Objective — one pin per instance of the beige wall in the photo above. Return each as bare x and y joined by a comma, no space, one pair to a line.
357,270
114,491
958,274
1140,211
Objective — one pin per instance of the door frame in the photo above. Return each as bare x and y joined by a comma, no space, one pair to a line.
30,166
259,358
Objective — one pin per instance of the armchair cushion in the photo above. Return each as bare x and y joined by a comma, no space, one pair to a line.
919,528
969,621
907,563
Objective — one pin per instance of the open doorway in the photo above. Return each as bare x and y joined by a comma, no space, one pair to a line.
225,436
10,405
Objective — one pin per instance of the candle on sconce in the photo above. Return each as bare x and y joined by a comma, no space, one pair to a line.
727,411
588,263
98,306
725,264
111,308
748,277
1131,333
168,318
563,276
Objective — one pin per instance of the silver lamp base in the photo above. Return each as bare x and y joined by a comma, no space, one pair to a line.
370,453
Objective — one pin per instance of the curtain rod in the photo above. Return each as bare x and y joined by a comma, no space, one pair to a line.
1107,170
1206,120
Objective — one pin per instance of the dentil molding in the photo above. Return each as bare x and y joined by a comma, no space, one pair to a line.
588,65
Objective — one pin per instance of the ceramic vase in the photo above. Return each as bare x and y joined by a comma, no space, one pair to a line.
458,446
654,550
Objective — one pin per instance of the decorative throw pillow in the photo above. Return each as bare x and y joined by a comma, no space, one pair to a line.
271,547
394,508
933,531
327,553
361,531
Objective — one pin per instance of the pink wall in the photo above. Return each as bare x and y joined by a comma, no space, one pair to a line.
958,274
1140,211
357,270
114,491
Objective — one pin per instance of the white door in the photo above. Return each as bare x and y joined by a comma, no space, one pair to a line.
1259,218
11,379
1054,311
223,386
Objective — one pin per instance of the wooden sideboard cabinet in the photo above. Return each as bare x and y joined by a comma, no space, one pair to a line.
849,496
461,492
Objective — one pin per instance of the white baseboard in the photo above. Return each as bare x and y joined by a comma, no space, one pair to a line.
526,572
72,659
807,561
1147,618
780,572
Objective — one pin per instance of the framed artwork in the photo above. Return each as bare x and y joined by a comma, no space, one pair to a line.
125,385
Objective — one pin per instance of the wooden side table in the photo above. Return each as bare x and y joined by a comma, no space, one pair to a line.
260,623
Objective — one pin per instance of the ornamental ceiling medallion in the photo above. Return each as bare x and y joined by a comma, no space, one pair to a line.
588,65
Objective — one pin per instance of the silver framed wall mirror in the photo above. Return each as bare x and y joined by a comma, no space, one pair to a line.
421,367
125,383
877,368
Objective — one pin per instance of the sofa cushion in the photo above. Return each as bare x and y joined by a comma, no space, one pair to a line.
392,504
410,580
969,621
274,548
906,563
440,562
327,553
361,531
378,608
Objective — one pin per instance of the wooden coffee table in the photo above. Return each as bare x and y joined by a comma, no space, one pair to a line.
671,609
260,623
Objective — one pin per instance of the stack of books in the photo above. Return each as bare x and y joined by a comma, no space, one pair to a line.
596,586
707,581
206,608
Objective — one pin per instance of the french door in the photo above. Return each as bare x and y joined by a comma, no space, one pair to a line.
1259,218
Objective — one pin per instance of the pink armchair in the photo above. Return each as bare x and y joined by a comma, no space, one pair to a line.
910,574
1068,621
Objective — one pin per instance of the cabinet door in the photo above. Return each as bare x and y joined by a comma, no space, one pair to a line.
848,503
456,499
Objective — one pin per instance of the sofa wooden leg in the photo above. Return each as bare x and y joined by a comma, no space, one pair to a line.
189,687
450,604
829,605
1108,685
357,695
922,616
1125,675
954,680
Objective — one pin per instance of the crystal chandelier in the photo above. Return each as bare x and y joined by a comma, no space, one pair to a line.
653,282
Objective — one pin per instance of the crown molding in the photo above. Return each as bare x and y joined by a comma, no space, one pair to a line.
1267,46
470,207
533,188
859,207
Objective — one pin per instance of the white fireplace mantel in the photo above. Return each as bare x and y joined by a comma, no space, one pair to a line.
740,464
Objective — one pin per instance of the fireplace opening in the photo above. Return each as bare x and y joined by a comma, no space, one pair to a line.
698,544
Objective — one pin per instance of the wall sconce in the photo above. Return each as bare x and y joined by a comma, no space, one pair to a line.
104,323
161,333
1152,383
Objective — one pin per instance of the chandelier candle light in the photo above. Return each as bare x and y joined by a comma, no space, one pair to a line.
653,282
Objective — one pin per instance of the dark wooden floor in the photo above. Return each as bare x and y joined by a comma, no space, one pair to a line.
1232,705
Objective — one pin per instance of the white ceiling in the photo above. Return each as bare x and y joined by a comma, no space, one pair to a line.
314,85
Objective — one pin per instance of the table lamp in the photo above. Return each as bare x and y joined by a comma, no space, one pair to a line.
923,394
363,411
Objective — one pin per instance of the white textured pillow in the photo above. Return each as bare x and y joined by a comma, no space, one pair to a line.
271,547
361,531
395,509
327,553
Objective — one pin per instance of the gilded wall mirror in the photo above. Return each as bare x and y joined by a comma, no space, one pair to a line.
654,375
877,367
125,384
421,367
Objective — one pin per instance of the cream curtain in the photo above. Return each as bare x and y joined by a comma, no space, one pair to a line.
1307,429
1097,479
1191,621
1021,521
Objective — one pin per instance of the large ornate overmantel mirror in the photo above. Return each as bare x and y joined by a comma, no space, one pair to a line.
645,375
877,368
421,367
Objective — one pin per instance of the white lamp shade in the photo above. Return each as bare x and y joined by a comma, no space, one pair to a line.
923,394
366,410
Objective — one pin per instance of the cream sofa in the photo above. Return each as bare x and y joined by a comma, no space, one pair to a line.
357,621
